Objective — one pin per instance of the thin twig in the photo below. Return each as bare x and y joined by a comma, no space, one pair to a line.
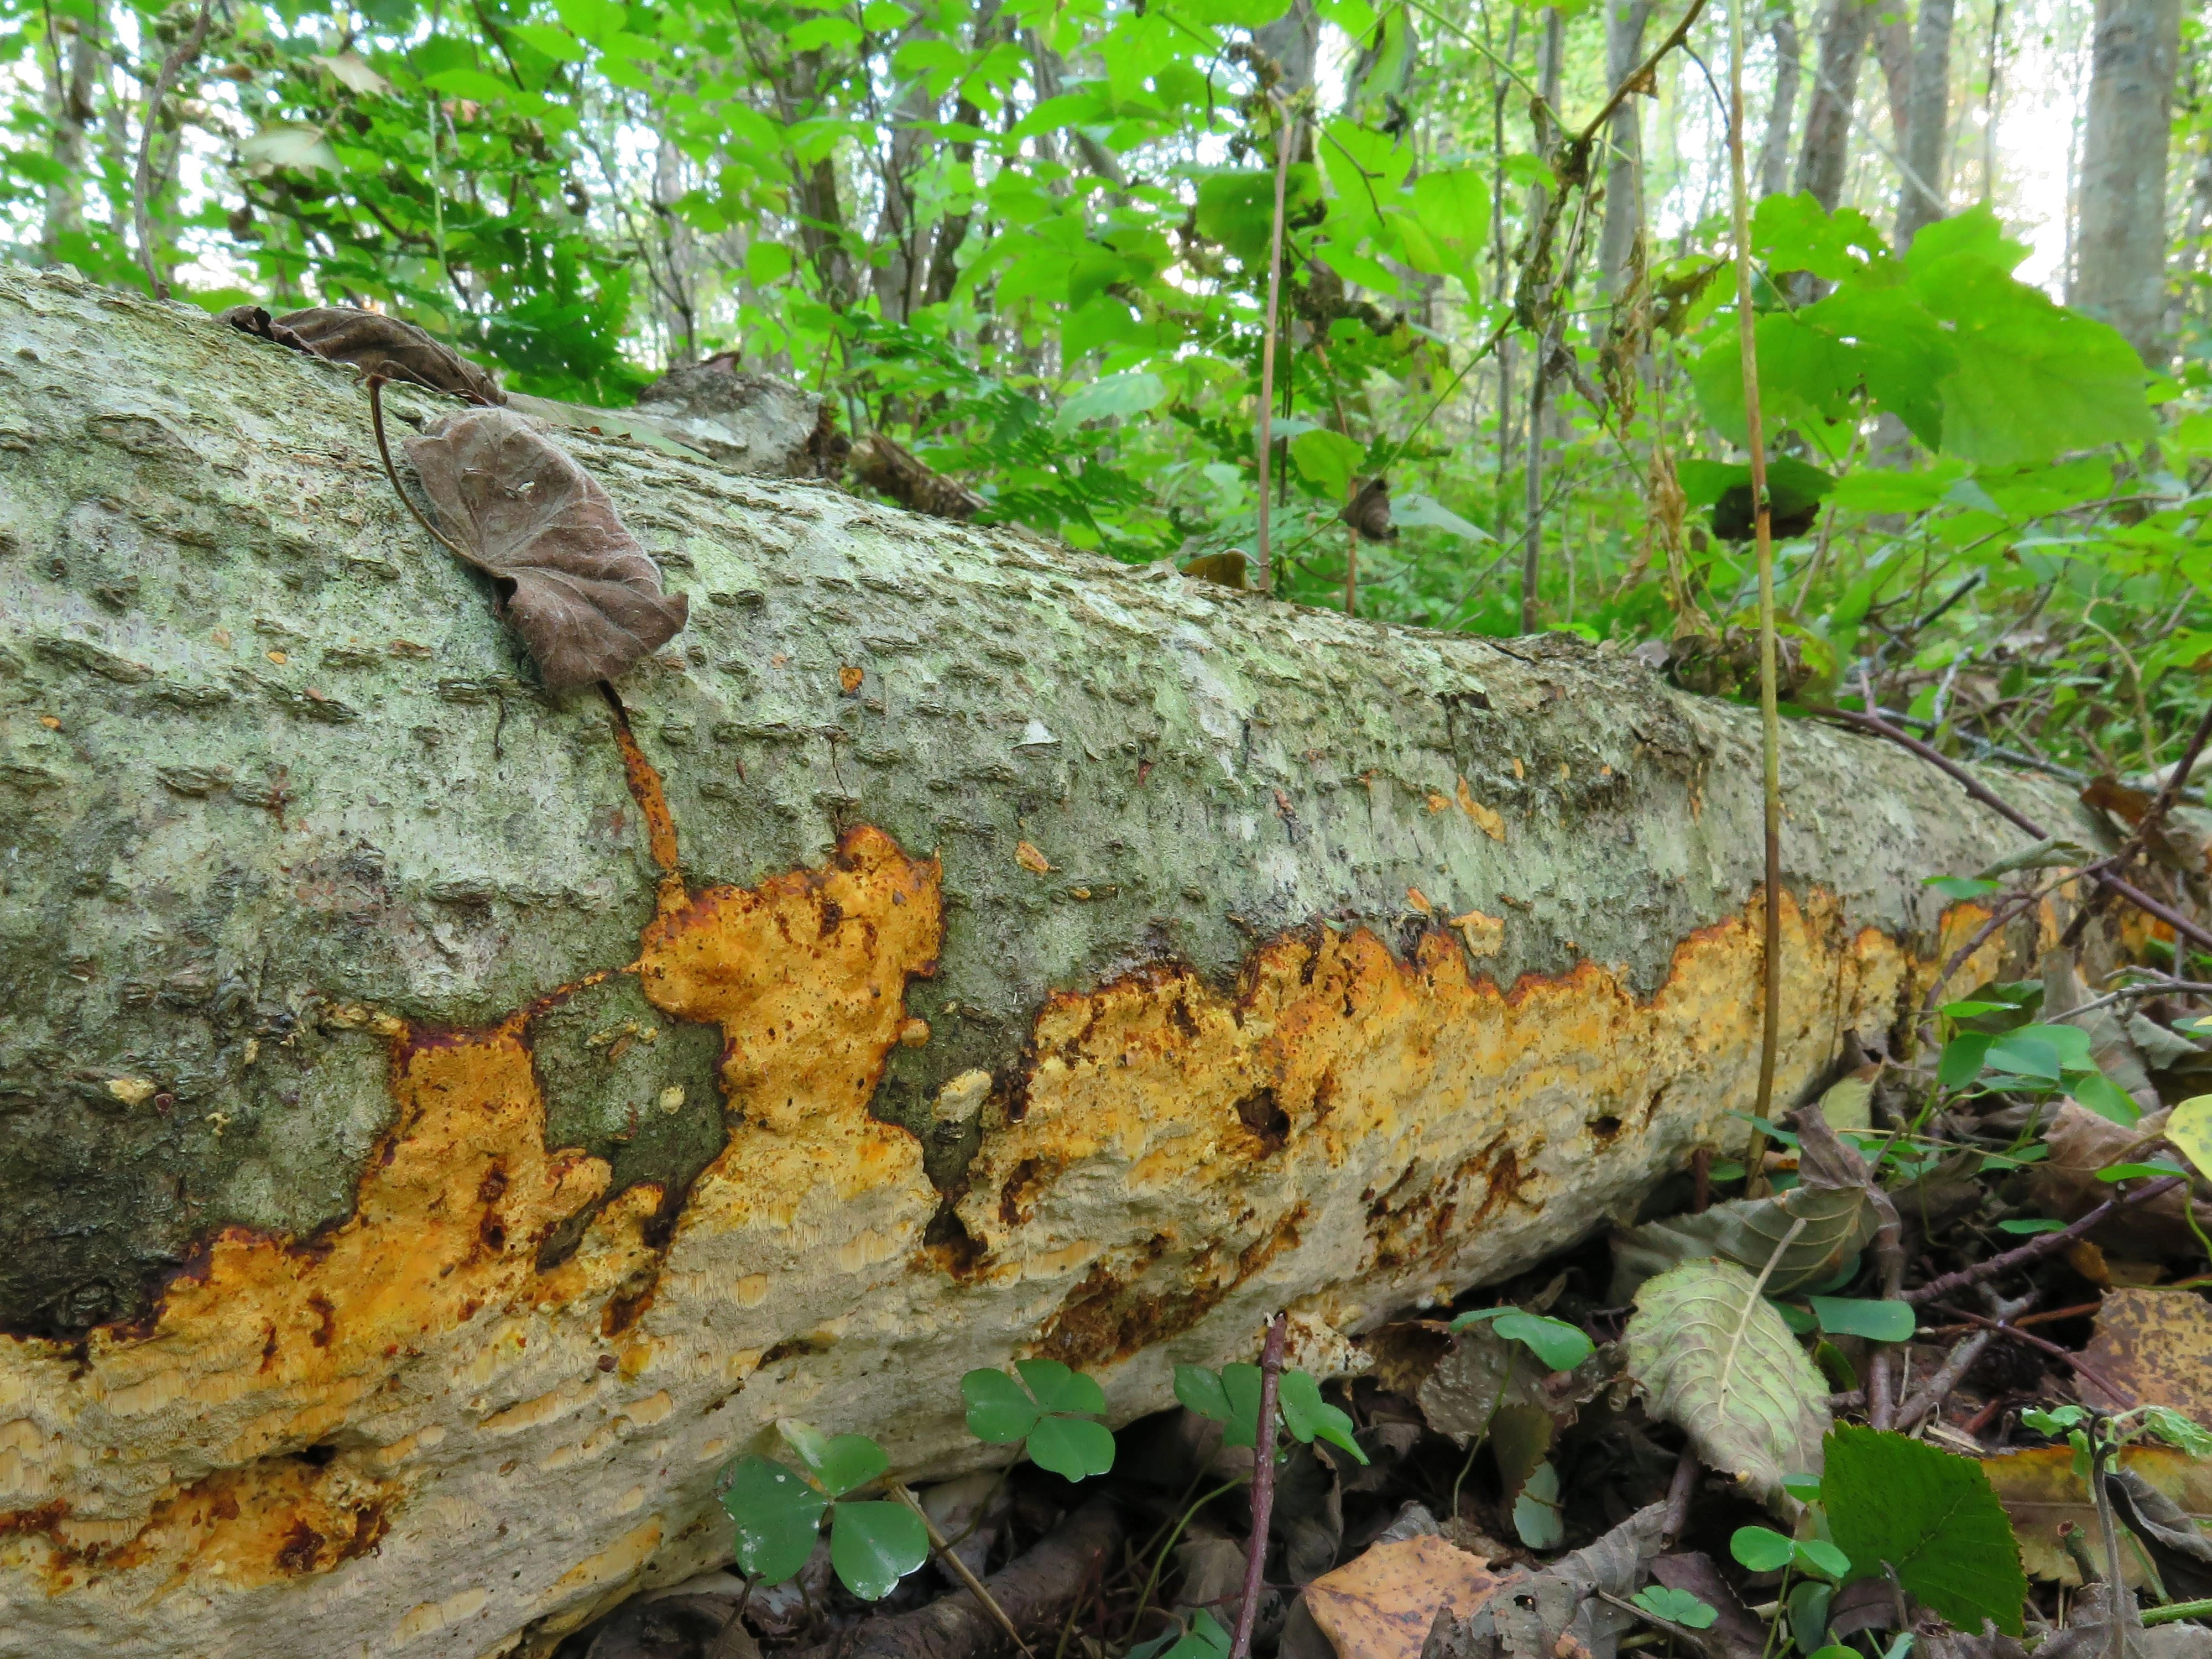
2036,1248
1955,1365
2066,1357
959,1568
1263,1485
1285,139
142,184
1770,717
1975,788
1680,1491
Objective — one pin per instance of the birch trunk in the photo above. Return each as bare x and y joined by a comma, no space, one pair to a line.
433,1140
2122,235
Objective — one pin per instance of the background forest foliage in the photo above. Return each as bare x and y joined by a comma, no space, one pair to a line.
1030,241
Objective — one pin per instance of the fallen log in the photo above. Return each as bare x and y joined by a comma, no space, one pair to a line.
441,1123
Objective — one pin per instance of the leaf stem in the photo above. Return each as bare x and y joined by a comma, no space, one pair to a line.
959,1568
384,449
1145,1601
1770,717
1286,140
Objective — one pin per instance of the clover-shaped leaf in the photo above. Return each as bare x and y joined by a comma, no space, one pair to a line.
840,1461
1231,1396
1677,1607
779,1515
1309,1418
1047,1408
874,1545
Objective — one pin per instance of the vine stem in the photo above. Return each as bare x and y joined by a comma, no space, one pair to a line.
1263,1485
1769,716
2037,1249
959,1568
1285,141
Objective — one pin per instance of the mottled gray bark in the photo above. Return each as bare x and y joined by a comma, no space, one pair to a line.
1624,23
1825,147
2121,264
416,1180
1922,190
1782,108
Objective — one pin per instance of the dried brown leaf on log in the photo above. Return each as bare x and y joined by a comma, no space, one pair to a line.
374,343
585,597
884,466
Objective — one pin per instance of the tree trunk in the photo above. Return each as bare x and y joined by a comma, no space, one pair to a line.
440,1125
70,109
2122,244
1923,190
1843,28
1624,23
1774,148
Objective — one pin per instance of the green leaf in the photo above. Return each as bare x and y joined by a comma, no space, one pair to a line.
1071,1447
1309,1418
840,1462
2103,1096
1418,512
1114,397
1955,888
1536,1512
998,1411
874,1545
1962,1059
1677,1607
832,34
1454,208
556,43
1058,1388
1818,1555
2043,1052
2036,1225
1749,1232
1237,209
1761,1549
1792,233
2031,378
1560,1345
1932,1517
1242,1384
1878,1322
778,1515
1713,1357
2113,1172
1327,460
1205,1639
2184,1433
1201,1389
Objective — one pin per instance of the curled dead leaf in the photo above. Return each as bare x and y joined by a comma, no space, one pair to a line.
374,343
585,597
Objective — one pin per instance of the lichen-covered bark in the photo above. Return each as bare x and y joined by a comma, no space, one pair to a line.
428,1148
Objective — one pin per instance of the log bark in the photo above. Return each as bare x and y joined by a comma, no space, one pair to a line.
441,1124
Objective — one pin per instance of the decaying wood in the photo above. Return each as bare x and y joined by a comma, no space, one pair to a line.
440,1126
882,464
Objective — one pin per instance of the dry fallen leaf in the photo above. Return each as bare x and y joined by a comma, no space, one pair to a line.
849,678
2041,1492
1381,1605
2157,1347
2066,1185
585,597
373,342
1026,855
